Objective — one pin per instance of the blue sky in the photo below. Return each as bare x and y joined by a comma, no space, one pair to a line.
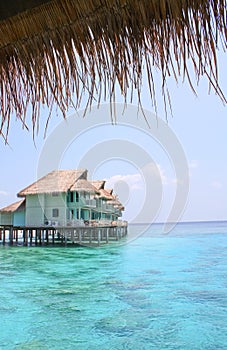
199,125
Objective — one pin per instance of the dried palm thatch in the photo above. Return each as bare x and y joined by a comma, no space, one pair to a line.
99,184
52,52
83,185
17,206
104,194
55,182
116,203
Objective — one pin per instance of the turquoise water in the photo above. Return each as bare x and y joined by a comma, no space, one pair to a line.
155,292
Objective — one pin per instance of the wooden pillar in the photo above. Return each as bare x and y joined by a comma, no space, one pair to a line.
47,236
31,236
4,236
36,238
107,235
11,235
66,235
26,237
40,236
90,236
53,233
99,236
73,237
116,233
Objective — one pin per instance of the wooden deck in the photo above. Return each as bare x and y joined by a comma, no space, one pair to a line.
61,235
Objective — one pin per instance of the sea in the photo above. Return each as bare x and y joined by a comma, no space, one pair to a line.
153,290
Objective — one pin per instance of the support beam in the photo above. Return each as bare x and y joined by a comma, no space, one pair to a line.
11,235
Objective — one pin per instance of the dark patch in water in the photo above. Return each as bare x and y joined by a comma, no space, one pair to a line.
203,296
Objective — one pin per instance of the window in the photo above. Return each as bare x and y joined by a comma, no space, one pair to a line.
77,197
87,195
55,213
70,197
55,194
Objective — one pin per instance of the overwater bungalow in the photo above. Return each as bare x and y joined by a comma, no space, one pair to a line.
64,203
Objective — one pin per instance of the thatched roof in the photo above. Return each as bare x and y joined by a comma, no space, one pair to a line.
57,181
105,194
109,190
116,203
53,51
83,185
108,196
14,207
99,184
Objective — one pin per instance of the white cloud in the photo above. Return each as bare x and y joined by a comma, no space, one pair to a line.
193,164
216,184
177,181
156,171
134,181
3,193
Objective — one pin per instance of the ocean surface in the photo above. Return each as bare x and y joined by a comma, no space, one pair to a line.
153,291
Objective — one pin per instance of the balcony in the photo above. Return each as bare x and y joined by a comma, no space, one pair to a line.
107,207
91,203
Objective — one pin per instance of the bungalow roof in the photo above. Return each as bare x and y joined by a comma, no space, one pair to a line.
99,184
14,207
116,203
84,185
105,194
55,181
109,190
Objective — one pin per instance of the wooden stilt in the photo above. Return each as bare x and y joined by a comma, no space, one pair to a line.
99,236
4,236
47,236
66,235
90,236
31,237
107,235
116,233
42,236
36,238
53,233
26,237
11,236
